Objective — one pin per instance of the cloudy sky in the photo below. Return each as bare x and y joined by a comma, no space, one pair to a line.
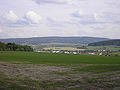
40,18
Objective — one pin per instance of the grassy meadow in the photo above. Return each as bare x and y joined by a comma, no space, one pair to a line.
48,71
50,58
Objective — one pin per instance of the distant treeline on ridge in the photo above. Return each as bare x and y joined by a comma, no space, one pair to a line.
14,47
115,42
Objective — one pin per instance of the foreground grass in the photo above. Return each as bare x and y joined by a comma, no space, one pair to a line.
80,77
46,71
99,68
44,58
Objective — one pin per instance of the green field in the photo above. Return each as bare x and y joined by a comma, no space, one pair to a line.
48,71
41,58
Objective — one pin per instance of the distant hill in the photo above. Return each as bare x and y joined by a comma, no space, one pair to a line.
115,42
41,40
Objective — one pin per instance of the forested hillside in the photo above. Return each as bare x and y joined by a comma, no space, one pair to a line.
41,40
14,47
115,42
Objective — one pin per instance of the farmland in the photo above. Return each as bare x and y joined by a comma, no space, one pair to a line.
48,71
67,46
113,48
63,48
47,58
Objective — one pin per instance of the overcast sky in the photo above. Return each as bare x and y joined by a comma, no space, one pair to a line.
40,18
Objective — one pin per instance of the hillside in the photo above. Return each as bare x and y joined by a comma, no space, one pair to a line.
41,40
115,42
14,47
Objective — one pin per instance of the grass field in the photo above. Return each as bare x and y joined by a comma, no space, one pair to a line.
116,53
48,71
41,58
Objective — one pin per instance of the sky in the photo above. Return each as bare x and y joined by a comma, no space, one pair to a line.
64,18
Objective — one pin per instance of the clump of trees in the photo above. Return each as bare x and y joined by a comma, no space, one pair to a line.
14,47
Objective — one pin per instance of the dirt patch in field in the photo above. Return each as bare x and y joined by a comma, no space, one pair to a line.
62,77
40,72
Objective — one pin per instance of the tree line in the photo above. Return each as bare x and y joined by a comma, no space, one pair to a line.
114,42
14,47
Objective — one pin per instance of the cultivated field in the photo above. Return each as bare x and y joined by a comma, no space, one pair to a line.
73,47
64,48
113,48
47,71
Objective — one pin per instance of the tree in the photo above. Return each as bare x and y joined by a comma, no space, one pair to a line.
14,47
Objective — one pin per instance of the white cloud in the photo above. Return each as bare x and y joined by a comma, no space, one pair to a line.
11,16
107,17
84,18
12,20
54,23
33,17
1,27
113,3
0,30
84,22
78,13
96,18
55,1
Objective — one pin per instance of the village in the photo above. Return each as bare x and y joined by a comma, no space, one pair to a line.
82,51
